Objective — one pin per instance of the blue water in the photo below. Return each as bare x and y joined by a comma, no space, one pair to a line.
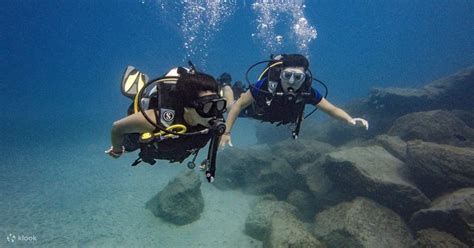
59,90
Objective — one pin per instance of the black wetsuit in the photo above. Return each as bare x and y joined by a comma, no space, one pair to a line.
172,149
276,109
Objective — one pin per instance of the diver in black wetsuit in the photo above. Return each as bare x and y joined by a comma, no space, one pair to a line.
173,117
280,95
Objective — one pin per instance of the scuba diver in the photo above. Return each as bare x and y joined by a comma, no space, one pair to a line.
238,89
280,95
171,118
225,89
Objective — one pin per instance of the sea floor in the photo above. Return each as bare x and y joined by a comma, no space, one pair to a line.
73,195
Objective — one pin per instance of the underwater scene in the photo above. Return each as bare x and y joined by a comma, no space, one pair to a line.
237,123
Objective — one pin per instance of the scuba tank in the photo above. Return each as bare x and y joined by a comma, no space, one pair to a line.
157,94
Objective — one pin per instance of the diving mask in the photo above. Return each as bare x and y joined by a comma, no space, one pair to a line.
209,106
293,77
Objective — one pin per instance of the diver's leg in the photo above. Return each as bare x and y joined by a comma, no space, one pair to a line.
135,123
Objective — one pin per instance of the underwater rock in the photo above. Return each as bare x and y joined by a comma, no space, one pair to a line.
362,223
258,222
181,201
436,239
321,187
286,231
335,132
439,168
305,203
374,173
396,102
238,167
467,117
270,133
434,126
447,93
393,144
341,238
279,179
298,152
452,92
385,105
257,171
452,213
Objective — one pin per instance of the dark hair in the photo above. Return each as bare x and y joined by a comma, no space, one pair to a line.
224,78
295,60
238,84
288,60
189,85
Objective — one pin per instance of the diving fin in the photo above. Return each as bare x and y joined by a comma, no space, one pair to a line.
132,81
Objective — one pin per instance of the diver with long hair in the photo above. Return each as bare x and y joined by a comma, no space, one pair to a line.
171,117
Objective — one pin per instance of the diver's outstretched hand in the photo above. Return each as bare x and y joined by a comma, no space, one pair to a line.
225,139
115,154
361,122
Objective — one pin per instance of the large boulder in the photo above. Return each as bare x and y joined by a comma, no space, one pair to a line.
181,201
398,101
237,167
258,222
324,191
301,151
393,144
452,213
267,133
435,239
439,168
466,116
341,238
278,179
361,223
437,126
451,92
257,171
447,93
374,173
305,202
384,105
286,231
336,132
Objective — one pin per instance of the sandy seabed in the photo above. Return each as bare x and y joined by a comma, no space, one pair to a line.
75,196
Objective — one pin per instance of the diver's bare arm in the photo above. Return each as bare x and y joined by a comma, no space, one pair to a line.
135,123
245,100
334,111
229,97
